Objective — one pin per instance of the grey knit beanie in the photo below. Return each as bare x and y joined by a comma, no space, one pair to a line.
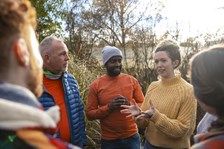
109,51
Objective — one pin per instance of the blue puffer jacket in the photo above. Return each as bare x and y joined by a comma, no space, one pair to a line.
74,107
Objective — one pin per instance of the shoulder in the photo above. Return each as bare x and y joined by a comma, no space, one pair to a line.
186,86
153,85
98,79
127,76
68,75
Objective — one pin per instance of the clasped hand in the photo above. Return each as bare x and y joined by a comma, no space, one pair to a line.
117,102
135,111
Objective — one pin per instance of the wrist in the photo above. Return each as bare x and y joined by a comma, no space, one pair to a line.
139,112
148,115
109,107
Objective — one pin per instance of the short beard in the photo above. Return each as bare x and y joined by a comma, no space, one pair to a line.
111,73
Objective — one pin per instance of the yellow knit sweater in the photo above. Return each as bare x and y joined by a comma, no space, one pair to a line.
173,122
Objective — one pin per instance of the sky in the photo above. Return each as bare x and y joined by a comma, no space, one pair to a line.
194,16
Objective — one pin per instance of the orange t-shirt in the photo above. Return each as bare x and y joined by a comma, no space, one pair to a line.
55,88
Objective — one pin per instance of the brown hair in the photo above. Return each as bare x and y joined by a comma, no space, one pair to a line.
15,18
207,77
172,49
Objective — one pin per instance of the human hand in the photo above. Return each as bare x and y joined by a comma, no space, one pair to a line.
117,102
147,114
131,110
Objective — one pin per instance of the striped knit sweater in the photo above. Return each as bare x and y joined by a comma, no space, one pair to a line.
173,122
23,123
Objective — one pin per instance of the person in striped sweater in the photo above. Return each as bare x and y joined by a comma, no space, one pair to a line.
23,122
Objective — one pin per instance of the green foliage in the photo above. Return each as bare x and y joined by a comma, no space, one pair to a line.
49,13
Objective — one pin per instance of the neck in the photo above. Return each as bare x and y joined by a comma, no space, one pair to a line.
170,81
51,72
112,76
15,77
51,75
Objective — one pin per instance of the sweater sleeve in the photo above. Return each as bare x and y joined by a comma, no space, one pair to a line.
183,124
143,123
138,95
93,110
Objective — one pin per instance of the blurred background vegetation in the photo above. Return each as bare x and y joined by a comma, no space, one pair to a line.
87,26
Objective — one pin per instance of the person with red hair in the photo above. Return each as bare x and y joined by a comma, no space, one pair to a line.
23,122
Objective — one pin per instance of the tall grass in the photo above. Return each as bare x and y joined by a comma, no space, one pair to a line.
85,72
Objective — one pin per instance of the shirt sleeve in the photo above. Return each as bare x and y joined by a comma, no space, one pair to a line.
138,95
93,110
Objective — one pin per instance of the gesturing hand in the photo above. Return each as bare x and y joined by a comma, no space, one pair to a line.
148,113
131,110
117,102
134,110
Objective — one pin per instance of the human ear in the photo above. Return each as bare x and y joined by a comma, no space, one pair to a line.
21,52
175,63
46,58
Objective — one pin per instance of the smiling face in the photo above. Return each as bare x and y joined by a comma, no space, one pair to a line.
57,57
164,65
114,66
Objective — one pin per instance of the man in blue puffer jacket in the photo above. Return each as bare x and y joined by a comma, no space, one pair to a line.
61,88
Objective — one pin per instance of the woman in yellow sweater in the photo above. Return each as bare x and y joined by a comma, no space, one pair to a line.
169,110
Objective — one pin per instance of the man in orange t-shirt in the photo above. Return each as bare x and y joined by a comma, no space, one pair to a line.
106,95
